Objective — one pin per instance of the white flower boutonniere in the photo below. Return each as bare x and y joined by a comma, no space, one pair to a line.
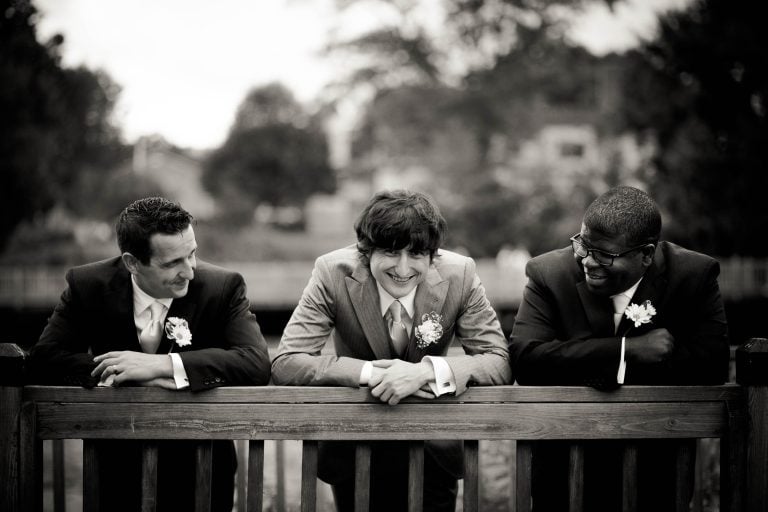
430,329
177,329
640,314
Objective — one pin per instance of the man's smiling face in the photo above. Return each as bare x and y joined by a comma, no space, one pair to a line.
621,274
399,272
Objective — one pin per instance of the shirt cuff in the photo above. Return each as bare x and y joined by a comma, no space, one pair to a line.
445,382
179,373
622,363
365,373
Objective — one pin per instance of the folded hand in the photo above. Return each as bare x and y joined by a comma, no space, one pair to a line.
394,379
128,366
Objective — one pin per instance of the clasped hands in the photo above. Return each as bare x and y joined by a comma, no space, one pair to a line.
394,379
126,366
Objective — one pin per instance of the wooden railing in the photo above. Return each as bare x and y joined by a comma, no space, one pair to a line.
736,414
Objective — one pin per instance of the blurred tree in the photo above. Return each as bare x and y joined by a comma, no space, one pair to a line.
700,93
275,154
54,120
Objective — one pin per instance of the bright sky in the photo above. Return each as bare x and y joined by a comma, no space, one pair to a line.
185,65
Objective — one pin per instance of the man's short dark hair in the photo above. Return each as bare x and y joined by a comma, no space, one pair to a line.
399,219
145,217
625,211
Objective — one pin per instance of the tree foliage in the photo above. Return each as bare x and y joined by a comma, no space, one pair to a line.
275,153
700,91
55,122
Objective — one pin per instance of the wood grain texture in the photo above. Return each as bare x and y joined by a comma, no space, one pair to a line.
91,472
203,475
10,408
309,476
255,489
523,476
757,449
362,477
415,476
576,478
149,457
471,476
381,422
629,478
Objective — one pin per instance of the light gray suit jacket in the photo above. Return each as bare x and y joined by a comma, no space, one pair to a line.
342,301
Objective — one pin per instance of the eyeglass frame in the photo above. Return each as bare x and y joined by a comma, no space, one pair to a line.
575,240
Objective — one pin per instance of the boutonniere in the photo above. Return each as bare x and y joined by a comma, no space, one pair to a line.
640,314
177,329
430,329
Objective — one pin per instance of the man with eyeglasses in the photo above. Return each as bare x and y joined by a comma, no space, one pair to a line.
617,306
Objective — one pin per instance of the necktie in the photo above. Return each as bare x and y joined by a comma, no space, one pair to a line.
152,333
397,330
620,303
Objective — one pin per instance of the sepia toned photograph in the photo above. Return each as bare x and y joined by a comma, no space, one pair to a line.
383,255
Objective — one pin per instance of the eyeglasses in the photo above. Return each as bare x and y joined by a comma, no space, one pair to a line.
603,258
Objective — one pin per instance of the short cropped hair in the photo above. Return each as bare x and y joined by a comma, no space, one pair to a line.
625,211
399,219
145,217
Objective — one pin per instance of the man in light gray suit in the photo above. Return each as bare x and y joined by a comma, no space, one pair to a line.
393,304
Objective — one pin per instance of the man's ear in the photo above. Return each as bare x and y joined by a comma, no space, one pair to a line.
131,262
648,252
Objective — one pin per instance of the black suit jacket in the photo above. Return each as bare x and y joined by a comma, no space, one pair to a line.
95,315
564,334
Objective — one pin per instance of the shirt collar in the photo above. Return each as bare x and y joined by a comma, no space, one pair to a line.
386,300
142,300
629,292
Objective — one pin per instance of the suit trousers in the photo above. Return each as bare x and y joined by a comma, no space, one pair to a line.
603,475
120,475
389,478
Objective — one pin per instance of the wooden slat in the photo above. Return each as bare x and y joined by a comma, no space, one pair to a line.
241,476
30,460
280,469
309,476
576,478
523,476
255,487
471,476
149,457
91,472
684,458
203,473
362,477
629,478
310,394
10,407
377,422
57,452
757,449
733,458
415,476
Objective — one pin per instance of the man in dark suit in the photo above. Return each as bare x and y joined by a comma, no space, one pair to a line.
154,316
393,304
617,307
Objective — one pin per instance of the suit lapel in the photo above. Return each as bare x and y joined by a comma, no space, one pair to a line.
365,301
183,307
120,295
430,296
651,288
599,311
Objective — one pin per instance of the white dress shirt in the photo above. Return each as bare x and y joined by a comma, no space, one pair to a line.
620,303
142,315
444,382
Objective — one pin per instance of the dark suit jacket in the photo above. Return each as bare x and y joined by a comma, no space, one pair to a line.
342,301
564,335
95,315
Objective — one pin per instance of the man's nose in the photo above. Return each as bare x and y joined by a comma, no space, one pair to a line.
589,261
403,264
188,272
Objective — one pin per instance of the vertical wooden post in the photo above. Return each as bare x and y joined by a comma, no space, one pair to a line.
471,476
12,374
752,372
523,476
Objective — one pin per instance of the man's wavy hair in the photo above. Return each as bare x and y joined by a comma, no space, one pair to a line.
399,219
625,211
145,217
